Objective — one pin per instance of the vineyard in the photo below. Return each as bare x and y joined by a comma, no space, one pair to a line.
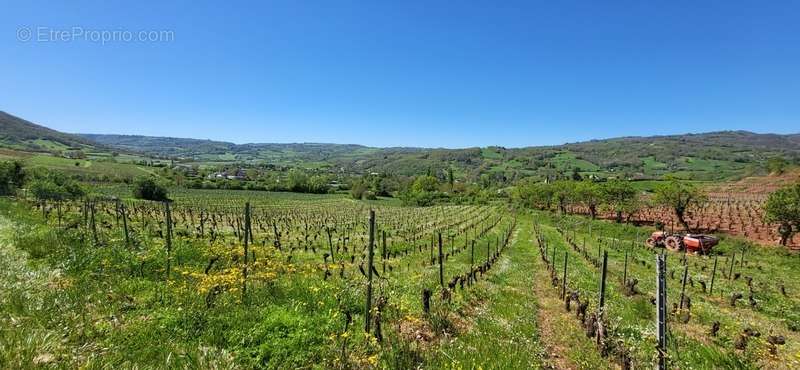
739,214
229,279
207,262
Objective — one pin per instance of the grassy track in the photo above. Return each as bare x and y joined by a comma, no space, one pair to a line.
503,331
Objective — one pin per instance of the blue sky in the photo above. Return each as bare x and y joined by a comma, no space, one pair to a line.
410,73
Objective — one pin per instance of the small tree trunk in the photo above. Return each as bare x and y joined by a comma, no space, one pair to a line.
785,230
679,213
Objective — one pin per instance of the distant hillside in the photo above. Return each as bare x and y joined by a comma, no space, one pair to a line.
315,154
162,146
17,133
706,156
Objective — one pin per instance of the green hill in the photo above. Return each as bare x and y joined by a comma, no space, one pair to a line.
17,133
705,156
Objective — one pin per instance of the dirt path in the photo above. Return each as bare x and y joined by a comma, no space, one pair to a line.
562,335
504,332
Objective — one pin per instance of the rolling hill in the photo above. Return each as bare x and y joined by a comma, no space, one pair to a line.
704,156
707,156
17,133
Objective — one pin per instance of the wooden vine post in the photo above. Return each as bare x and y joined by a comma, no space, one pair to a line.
625,270
330,243
168,216
603,275
564,278
93,223
383,250
683,284
368,306
661,311
246,248
713,275
472,255
125,223
441,263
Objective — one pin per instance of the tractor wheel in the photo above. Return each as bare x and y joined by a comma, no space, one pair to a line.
673,243
650,242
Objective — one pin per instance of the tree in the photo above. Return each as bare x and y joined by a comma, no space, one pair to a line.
425,184
358,189
618,195
55,186
783,208
576,175
534,194
12,177
588,193
150,189
297,181
450,178
679,196
563,193
776,165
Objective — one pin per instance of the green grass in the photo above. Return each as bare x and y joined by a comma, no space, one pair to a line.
693,347
114,298
107,169
567,160
66,301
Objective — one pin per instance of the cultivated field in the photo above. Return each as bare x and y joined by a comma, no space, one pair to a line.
284,282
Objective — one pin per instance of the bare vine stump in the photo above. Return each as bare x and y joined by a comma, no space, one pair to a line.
735,297
426,301
714,328
775,341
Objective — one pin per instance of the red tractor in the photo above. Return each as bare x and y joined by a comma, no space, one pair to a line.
696,243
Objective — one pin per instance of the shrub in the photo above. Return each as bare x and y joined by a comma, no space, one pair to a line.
55,186
11,177
149,189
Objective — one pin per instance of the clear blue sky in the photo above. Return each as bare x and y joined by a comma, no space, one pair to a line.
407,73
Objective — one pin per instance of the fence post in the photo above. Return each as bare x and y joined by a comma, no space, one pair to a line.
733,262
246,248
330,243
625,271
713,275
125,224
472,255
441,264
661,310
367,312
168,215
564,278
683,284
93,223
603,281
383,251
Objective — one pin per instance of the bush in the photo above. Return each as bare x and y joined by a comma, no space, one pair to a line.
55,186
149,189
11,177
358,190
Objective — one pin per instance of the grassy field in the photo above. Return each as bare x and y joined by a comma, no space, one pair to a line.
99,168
73,299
